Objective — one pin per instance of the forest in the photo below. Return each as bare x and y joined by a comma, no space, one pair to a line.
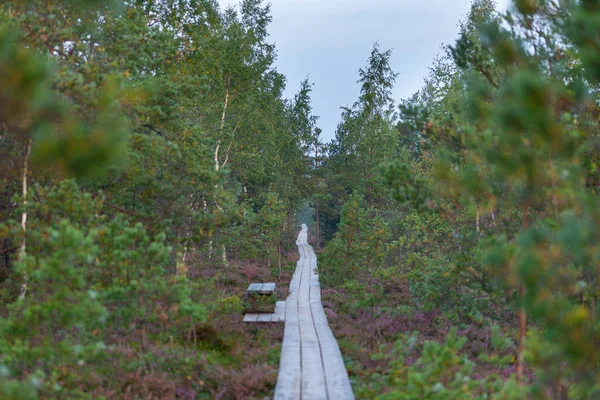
151,167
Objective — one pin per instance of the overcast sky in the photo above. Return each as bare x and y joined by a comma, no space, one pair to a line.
331,39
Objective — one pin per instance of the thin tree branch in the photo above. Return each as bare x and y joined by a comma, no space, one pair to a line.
11,249
118,208
486,74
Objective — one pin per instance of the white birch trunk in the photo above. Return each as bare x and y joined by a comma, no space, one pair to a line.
222,126
224,256
218,166
22,249
210,243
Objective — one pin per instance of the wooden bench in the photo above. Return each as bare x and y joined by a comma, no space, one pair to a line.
261,306
266,289
277,316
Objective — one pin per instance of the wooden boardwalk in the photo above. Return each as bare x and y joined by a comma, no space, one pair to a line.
311,365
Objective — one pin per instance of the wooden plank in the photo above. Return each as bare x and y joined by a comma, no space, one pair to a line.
261,288
264,318
254,287
313,374
336,374
267,288
277,318
289,379
279,314
251,317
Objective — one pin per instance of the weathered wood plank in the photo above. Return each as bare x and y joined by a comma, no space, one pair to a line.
289,380
261,288
251,317
279,311
264,318
254,287
277,316
267,288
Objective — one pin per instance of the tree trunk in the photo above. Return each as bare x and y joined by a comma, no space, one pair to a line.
222,126
318,226
279,255
224,256
218,166
522,313
210,243
182,267
522,336
21,254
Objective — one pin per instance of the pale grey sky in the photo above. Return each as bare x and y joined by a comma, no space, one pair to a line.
331,39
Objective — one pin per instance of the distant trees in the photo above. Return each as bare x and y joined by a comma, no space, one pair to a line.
365,136
365,139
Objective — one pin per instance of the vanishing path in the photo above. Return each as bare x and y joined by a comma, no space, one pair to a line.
311,365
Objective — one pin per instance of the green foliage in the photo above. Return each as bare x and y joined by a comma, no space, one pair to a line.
359,244
258,236
441,372
365,137
170,114
111,275
74,145
514,152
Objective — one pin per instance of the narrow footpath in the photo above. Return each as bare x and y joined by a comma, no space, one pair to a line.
311,366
